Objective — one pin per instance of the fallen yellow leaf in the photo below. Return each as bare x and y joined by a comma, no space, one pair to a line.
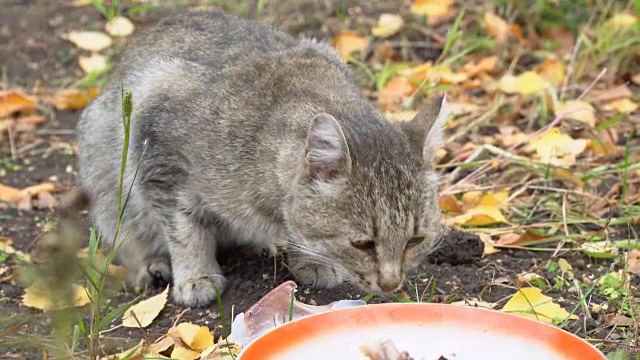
36,297
145,311
496,27
558,149
600,147
89,40
531,303
577,110
526,83
12,101
480,215
621,21
488,244
348,42
401,116
93,63
624,105
195,336
119,26
491,199
181,353
552,71
388,25
434,10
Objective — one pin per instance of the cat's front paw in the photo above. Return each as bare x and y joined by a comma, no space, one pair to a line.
308,272
198,292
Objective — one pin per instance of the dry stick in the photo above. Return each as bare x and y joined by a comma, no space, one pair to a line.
564,223
10,131
485,168
571,67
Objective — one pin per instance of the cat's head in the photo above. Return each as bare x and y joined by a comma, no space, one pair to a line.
365,198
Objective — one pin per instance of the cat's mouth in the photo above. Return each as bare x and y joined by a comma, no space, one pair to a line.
377,286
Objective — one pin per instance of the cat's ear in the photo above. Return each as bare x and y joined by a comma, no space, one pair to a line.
425,130
326,155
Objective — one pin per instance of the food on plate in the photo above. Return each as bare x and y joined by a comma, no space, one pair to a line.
386,350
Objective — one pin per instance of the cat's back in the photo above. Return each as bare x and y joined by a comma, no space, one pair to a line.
207,37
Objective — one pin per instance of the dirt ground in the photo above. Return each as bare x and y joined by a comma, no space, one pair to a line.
32,51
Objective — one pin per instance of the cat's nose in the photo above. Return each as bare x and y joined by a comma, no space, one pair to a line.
390,282
388,286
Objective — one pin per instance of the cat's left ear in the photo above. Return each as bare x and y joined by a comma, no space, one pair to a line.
326,155
425,131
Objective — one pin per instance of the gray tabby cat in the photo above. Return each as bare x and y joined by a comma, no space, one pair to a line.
245,135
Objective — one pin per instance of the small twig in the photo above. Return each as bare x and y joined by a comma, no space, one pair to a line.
570,68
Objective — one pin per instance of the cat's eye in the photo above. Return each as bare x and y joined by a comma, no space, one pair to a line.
368,246
415,241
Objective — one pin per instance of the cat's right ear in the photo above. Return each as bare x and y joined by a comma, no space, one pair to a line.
425,130
326,155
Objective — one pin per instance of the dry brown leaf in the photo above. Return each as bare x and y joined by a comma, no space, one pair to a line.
568,176
119,26
9,194
563,36
89,40
526,278
611,94
388,25
577,110
195,336
93,63
36,297
484,65
526,83
447,76
348,42
615,320
496,27
13,101
145,311
449,204
73,99
633,261
37,189
517,239
395,91
475,303
31,120
46,200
